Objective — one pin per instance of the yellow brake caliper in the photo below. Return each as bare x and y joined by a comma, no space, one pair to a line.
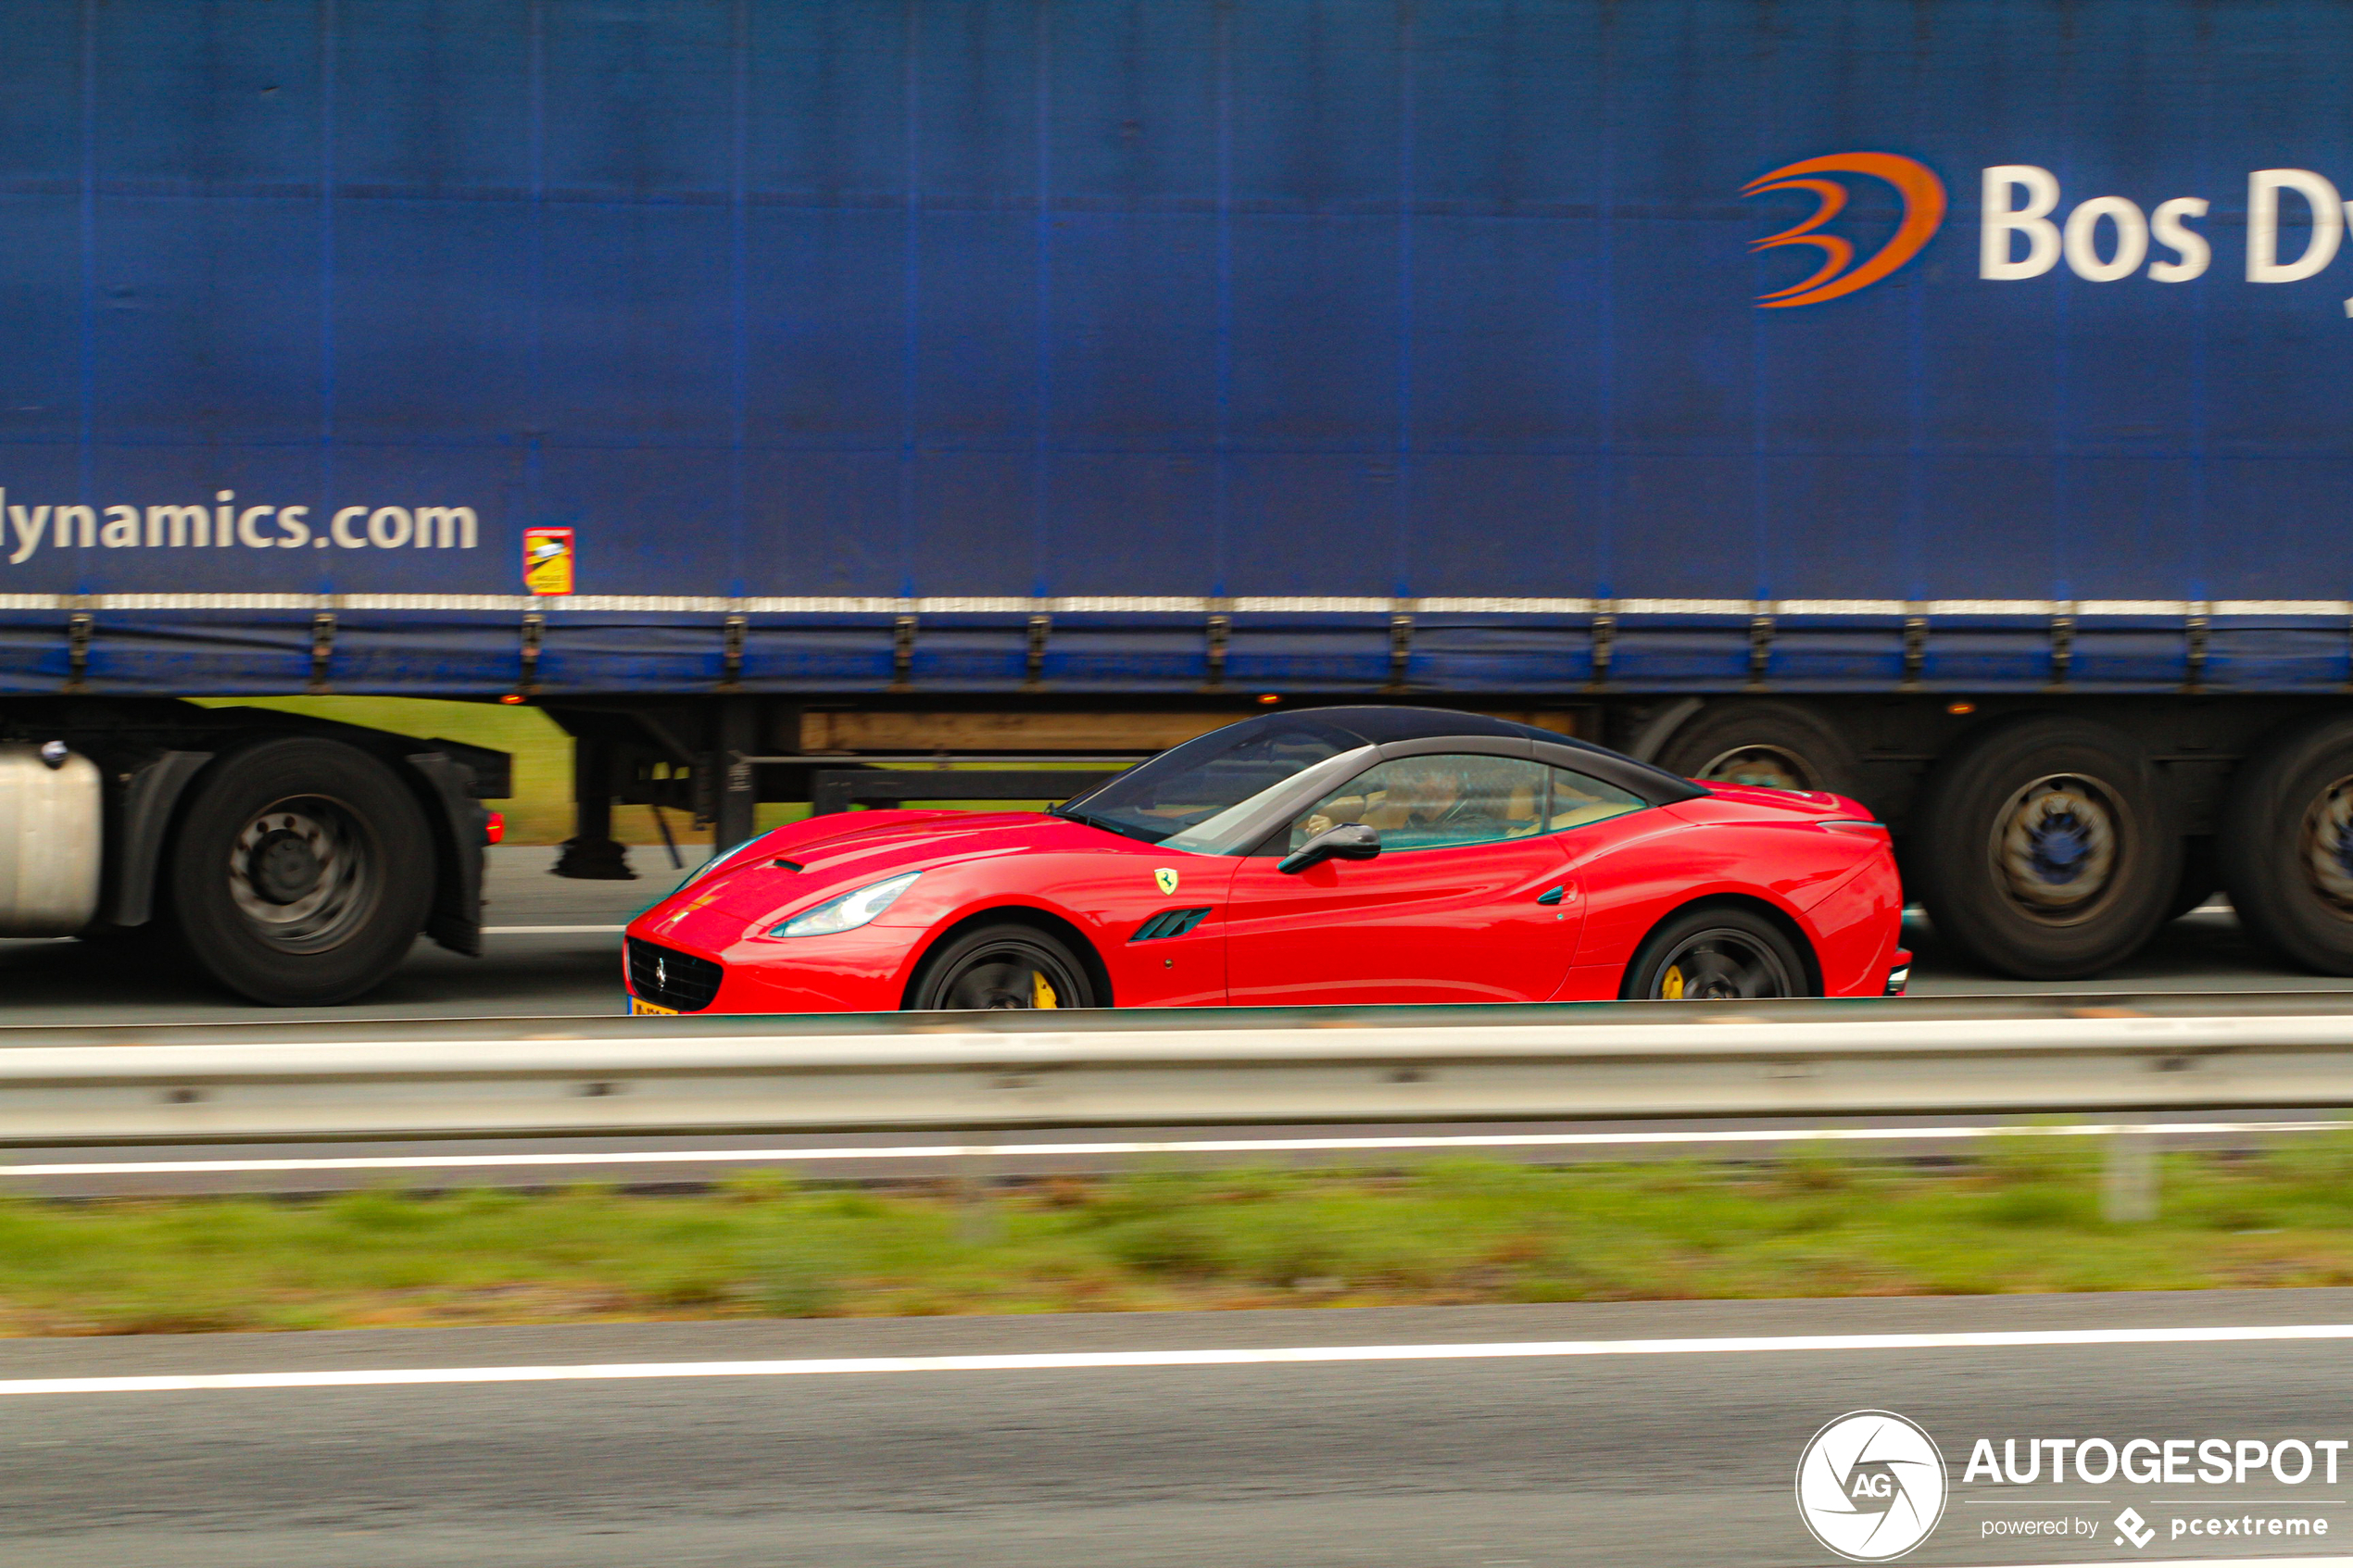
1041,994
1671,985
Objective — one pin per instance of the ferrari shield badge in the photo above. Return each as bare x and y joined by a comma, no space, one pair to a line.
1165,879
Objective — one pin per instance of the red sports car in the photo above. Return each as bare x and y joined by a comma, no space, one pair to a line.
1349,855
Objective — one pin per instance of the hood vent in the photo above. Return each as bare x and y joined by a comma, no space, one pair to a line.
1169,922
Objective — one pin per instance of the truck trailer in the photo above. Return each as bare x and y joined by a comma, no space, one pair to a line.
1942,404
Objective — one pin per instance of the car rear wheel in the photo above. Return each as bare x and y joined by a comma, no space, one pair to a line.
1000,967
1716,954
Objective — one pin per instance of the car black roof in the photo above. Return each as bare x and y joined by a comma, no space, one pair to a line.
1373,725
1377,725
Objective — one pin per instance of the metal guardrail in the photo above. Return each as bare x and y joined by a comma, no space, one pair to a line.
1405,1065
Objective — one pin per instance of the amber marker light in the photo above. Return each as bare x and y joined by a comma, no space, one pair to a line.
1957,707
1264,697
511,698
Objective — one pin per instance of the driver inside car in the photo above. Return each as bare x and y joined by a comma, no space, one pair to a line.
1424,803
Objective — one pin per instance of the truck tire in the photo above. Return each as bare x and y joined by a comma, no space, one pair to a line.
2287,846
301,873
1778,744
2043,849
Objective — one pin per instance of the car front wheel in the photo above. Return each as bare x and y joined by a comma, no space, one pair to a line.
1000,967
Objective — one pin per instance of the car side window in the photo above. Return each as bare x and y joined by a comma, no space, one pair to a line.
1436,802
1577,800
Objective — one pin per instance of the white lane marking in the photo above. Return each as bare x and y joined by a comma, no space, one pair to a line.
1079,1360
2211,1561
546,930
1179,1146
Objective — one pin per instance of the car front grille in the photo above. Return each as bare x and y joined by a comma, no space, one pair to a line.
669,978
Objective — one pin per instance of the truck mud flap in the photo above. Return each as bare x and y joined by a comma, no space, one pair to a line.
148,801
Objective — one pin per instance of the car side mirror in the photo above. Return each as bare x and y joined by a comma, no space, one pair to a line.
1350,841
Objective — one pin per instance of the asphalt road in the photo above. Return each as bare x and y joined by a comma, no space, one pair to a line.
530,970
1666,1458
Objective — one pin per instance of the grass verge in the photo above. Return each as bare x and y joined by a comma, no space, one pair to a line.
2025,1217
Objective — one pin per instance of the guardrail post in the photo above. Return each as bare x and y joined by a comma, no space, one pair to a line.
2128,1193
977,1222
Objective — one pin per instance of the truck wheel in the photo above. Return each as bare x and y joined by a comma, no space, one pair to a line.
301,873
2287,846
2044,850
1778,744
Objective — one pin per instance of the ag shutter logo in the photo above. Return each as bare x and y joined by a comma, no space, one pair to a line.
1871,1486
1923,198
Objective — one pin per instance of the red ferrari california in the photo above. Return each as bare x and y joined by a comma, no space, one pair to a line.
1336,854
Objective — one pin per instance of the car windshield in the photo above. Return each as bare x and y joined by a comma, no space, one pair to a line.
1185,787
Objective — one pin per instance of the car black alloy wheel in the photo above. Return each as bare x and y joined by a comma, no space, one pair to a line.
1000,968
1720,953
1718,966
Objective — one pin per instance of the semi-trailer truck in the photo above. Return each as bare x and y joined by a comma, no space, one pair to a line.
1940,404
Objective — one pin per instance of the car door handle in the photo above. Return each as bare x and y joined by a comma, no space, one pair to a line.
1551,894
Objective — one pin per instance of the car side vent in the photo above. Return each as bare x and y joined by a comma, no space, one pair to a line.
669,978
786,865
1169,922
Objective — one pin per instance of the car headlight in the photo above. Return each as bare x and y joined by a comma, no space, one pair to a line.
849,912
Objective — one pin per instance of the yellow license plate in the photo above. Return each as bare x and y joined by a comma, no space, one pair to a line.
636,1007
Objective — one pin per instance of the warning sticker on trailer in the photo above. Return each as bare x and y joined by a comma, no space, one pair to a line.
546,559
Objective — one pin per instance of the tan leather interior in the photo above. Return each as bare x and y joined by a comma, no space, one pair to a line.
1485,816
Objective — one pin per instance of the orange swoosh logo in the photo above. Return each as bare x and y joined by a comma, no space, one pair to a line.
1924,195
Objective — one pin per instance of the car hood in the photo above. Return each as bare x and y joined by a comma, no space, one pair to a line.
822,859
